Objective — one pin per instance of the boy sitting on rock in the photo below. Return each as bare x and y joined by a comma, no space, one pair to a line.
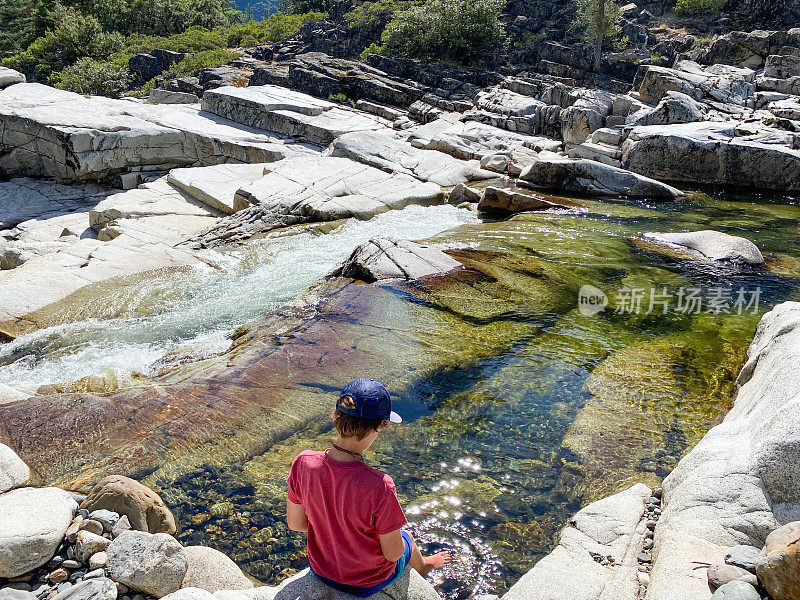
354,522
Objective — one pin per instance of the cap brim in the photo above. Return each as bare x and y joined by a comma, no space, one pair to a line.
395,418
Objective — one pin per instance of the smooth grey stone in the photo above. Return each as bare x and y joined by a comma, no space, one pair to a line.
743,556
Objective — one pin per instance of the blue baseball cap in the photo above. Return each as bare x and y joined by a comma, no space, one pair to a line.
370,400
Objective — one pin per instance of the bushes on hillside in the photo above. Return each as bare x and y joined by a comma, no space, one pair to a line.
275,27
699,6
73,36
369,15
464,31
92,77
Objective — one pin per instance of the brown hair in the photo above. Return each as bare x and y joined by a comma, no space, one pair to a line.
357,427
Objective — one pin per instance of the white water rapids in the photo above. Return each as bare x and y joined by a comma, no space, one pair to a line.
199,309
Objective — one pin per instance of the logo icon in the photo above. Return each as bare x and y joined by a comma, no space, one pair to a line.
591,300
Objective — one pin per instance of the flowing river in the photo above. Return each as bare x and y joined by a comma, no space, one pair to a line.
520,407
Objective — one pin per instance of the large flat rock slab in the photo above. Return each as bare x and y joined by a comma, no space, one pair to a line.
474,140
24,199
387,152
741,481
216,186
306,189
612,527
284,111
45,132
714,153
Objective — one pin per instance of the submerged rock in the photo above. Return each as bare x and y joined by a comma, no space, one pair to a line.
590,177
144,508
709,245
32,525
389,258
155,564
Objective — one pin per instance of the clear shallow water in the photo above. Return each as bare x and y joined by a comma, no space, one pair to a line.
198,310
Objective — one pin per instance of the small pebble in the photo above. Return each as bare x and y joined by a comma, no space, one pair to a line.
92,526
55,562
658,492
71,563
643,578
651,524
648,544
94,574
77,575
84,513
743,556
59,575
108,518
657,512
121,588
720,574
645,558
123,524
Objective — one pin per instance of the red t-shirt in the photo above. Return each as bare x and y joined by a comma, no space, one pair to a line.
348,505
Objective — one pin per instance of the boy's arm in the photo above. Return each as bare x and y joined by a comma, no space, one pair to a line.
296,517
392,545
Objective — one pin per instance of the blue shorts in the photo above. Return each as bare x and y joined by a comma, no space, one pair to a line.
364,592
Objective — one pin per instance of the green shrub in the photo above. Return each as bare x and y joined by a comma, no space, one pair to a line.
466,31
699,6
373,48
73,36
274,28
584,24
91,77
370,15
